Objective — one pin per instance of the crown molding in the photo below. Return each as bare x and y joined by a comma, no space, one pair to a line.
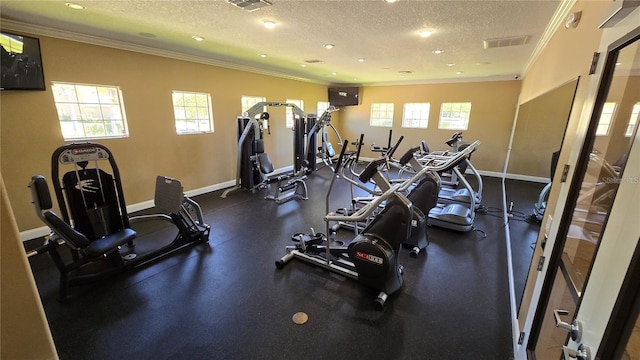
556,21
11,25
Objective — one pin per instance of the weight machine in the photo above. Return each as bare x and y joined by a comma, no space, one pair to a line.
253,165
94,224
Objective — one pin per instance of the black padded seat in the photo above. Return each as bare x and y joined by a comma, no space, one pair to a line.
109,242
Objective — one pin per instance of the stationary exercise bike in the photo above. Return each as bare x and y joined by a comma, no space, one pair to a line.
372,256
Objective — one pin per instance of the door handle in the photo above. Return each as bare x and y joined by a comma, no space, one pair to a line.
583,353
574,329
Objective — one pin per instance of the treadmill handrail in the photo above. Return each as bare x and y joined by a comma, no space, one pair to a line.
445,165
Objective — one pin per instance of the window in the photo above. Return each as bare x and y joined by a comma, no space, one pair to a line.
605,118
289,113
454,116
192,112
322,107
89,111
633,120
249,101
381,114
416,115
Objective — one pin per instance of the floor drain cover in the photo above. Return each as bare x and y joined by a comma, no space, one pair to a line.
300,318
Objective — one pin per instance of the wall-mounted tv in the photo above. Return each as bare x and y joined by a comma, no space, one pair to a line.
344,96
21,63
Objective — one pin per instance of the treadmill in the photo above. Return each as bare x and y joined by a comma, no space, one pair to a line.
454,216
450,195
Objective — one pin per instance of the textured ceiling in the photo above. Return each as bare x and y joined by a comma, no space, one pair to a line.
384,34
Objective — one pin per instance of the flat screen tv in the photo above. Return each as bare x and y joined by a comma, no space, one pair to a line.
21,63
344,96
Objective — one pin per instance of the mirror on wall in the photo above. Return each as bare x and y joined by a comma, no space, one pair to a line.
538,134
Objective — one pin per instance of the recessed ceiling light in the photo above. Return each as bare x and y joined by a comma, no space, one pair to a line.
459,72
390,1
329,46
263,55
74,6
355,78
618,63
303,65
424,33
269,24
362,59
334,73
450,64
197,38
438,51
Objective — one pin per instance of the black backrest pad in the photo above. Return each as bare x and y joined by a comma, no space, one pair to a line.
41,194
259,146
94,189
392,224
266,166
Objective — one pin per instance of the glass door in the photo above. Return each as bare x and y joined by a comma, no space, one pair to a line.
598,177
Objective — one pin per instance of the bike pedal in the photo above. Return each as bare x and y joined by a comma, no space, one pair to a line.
308,239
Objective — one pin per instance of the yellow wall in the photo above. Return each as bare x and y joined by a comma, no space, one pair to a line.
24,333
30,129
567,56
493,107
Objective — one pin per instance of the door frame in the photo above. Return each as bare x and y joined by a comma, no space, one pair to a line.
625,312
574,188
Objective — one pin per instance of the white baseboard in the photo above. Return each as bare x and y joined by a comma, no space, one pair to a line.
44,230
527,178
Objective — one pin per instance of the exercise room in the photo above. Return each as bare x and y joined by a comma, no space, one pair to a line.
253,179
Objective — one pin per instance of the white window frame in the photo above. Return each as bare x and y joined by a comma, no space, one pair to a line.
454,116
416,115
322,107
289,111
606,117
198,115
381,115
633,120
247,101
82,112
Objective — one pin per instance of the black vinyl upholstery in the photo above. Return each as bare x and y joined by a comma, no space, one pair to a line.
75,239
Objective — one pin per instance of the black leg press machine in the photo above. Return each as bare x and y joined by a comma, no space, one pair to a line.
93,223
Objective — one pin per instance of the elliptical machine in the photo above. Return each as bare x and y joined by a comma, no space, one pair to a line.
372,256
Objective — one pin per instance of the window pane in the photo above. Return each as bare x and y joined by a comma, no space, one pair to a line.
89,111
248,101
605,118
178,99
87,94
192,112
633,120
289,111
64,93
416,115
454,116
322,107
381,114
108,95
111,112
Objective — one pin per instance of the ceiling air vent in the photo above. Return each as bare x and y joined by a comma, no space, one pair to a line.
507,41
313,61
249,5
